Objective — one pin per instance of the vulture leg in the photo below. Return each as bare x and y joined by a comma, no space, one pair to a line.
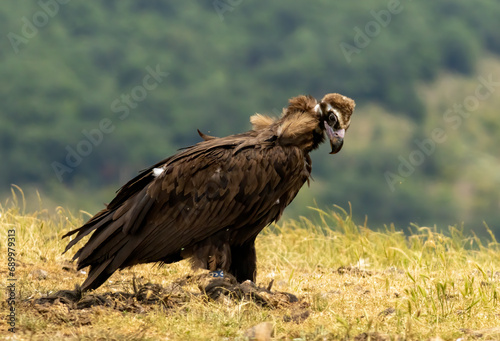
244,261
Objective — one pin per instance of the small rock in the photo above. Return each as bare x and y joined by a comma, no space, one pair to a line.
387,311
40,274
297,317
260,332
394,271
372,336
491,333
248,286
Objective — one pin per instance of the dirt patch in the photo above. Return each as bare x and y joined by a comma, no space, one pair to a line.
140,301
66,304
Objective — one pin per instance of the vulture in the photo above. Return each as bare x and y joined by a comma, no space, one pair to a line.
209,201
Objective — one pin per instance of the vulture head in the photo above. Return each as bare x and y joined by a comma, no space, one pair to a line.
335,112
306,122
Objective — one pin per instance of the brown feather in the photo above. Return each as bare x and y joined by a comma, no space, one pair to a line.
204,136
260,122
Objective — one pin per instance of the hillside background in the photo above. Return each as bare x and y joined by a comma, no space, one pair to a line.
79,114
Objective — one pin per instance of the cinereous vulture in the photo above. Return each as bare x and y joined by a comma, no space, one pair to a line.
209,201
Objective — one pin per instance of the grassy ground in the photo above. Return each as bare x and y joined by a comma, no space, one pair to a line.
354,282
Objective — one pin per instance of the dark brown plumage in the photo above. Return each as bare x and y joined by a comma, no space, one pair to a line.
211,200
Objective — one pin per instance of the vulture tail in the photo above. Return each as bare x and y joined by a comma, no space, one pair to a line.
105,257
97,276
114,239
107,250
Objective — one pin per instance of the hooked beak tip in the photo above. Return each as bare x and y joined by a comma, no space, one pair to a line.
336,145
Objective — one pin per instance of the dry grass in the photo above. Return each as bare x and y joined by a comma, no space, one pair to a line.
417,287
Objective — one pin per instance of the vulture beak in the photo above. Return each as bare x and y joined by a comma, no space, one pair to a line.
336,138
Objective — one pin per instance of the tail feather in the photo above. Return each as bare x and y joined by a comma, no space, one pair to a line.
90,226
114,239
97,276
101,254
112,255
100,236
96,248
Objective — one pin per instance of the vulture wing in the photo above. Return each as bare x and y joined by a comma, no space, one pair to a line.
230,187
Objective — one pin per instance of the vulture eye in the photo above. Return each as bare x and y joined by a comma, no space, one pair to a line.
332,118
